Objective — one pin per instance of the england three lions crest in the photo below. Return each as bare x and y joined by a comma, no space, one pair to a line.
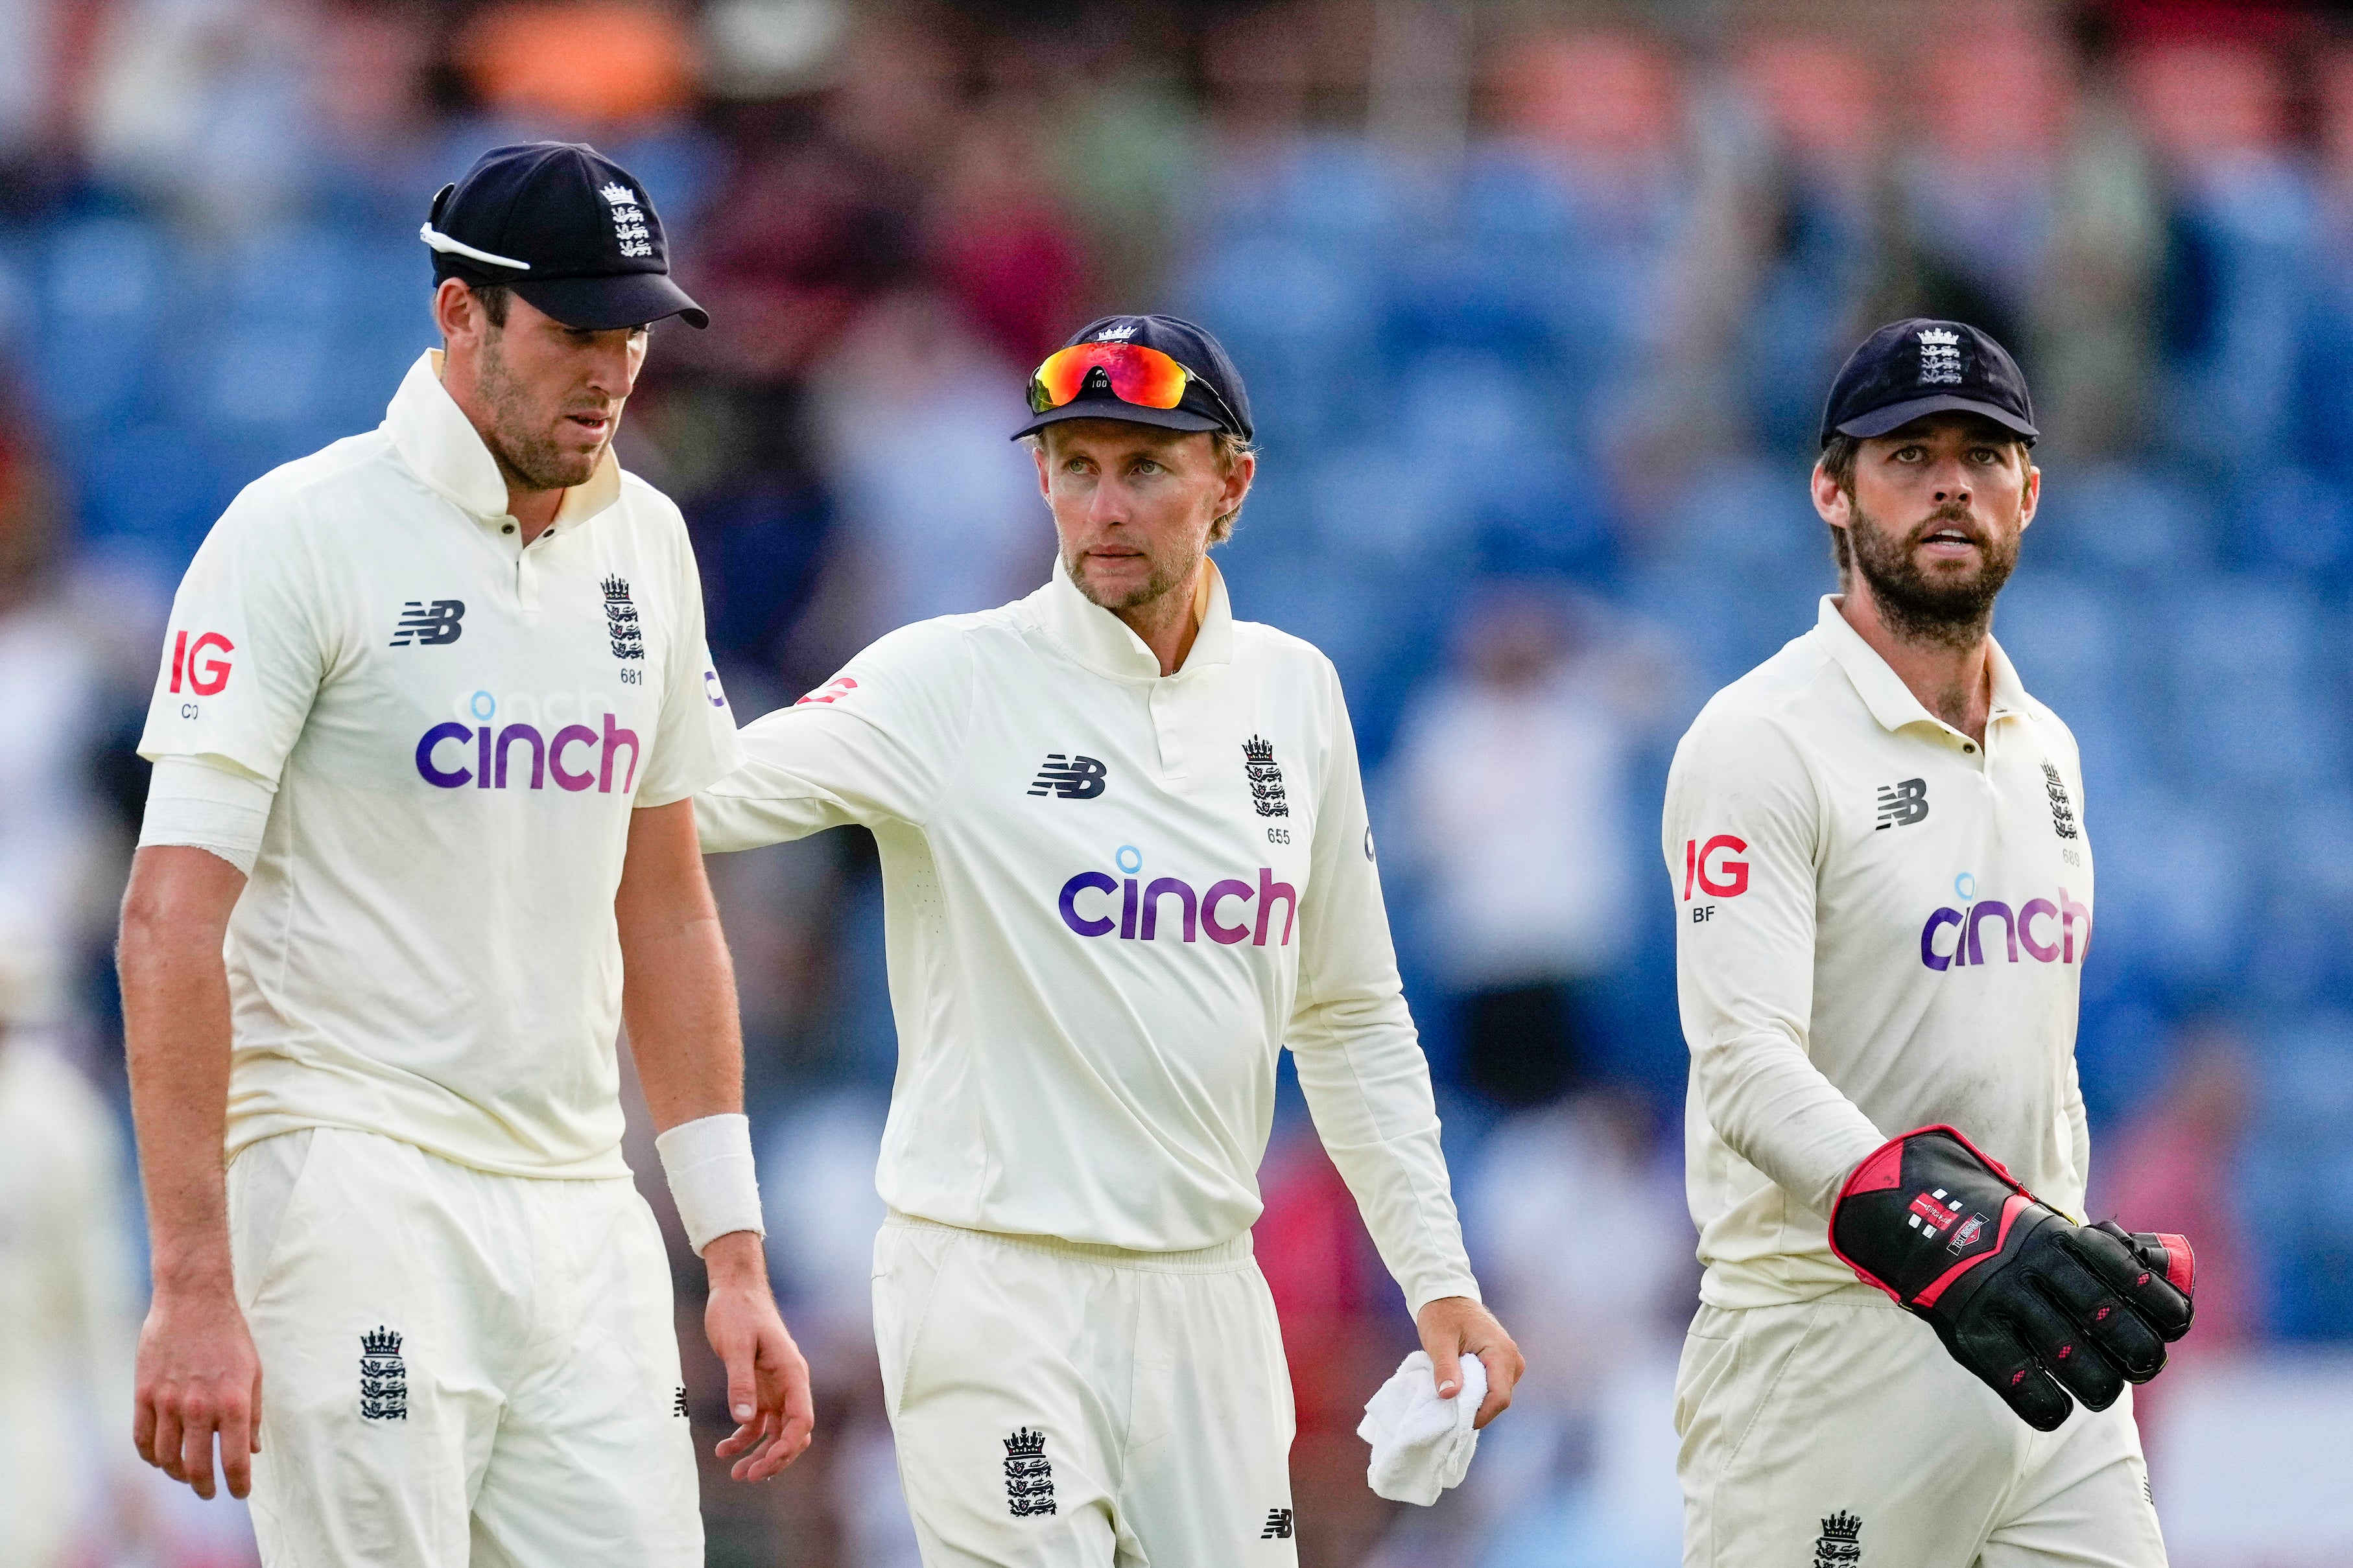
1028,1474
1265,777
1941,357
621,628
384,1377
1839,1545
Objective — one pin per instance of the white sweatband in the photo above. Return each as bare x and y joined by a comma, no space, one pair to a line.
709,1163
206,806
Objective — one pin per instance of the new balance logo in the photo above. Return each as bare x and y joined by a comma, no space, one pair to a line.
1902,805
678,1405
1069,777
424,625
1278,1525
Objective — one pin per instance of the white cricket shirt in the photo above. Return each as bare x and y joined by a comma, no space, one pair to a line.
456,727
1111,897
1880,925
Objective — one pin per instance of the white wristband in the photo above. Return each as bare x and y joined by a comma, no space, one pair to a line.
709,1163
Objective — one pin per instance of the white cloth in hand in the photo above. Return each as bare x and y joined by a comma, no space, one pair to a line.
1421,1444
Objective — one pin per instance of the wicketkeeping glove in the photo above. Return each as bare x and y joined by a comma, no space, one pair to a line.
2036,1305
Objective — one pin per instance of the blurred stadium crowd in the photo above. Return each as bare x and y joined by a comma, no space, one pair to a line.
1537,302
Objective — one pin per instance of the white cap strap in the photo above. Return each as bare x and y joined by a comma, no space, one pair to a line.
443,243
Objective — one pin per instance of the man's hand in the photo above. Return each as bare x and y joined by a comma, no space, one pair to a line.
2037,1306
198,1374
1455,1326
767,1381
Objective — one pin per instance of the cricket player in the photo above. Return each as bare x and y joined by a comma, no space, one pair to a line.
1125,859
1884,898
65,1317
433,705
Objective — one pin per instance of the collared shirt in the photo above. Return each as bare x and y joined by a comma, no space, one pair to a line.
455,727
1111,898
1879,926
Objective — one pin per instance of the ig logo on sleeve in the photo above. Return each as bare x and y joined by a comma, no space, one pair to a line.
1710,866
196,666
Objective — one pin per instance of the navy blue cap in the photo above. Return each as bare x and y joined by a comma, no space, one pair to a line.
566,227
1920,366
1214,399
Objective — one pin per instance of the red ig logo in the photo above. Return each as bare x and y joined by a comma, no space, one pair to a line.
840,686
205,675
1719,879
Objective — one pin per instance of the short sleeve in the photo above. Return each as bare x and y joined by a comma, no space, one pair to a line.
694,739
248,644
876,743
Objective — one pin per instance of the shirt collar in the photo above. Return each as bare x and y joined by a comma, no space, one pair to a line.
442,447
1101,641
1883,691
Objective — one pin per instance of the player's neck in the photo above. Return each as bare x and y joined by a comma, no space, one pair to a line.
533,511
1952,677
1168,624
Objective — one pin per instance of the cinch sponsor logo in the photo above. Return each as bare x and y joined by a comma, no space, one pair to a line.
452,755
193,662
1140,906
2045,932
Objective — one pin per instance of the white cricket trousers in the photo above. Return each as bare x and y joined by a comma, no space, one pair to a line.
457,1368
1063,1405
1838,1433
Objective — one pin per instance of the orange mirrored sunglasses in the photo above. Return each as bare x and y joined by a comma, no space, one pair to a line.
1146,378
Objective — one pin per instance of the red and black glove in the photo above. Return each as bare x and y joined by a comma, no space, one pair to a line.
2036,1305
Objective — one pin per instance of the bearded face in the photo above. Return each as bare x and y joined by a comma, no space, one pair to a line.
537,427
1937,580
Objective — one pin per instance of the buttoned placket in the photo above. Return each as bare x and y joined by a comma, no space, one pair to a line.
1167,703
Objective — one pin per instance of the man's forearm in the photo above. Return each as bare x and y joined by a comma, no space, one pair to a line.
679,1001
176,1014
1777,1110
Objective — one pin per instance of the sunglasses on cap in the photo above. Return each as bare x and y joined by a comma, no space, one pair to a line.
1144,378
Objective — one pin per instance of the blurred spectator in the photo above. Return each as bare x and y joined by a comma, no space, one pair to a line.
1608,105
1977,189
203,104
581,63
66,1328
50,690
1584,1246
2175,1166
2093,338
2215,111
1809,215
1002,252
1510,790
939,507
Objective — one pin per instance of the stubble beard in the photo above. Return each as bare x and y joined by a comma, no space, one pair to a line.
517,437
1164,580
1949,609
